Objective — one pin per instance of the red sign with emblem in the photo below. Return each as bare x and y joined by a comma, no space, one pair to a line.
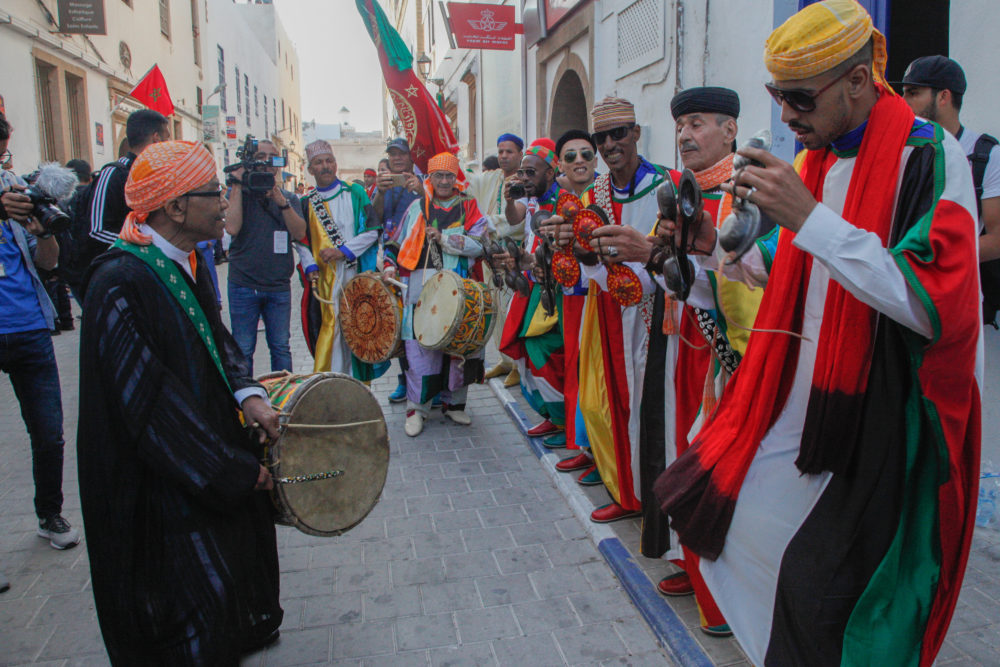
479,26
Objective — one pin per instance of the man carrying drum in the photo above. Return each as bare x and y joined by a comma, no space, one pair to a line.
342,231
441,231
181,540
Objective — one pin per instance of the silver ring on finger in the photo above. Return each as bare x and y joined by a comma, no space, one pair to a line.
612,251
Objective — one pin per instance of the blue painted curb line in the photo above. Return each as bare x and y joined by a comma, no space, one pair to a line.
663,621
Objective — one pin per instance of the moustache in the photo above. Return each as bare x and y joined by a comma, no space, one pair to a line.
689,146
796,126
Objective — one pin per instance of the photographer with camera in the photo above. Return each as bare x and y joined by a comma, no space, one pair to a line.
263,219
26,353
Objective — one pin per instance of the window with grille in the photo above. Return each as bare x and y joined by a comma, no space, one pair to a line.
222,79
76,101
256,103
239,98
284,121
267,125
45,75
246,96
641,35
274,114
165,18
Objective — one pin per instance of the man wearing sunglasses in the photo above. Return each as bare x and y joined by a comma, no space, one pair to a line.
831,497
577,155
616,337
531,338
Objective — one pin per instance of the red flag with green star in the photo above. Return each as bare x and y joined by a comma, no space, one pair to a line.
426,126
152,92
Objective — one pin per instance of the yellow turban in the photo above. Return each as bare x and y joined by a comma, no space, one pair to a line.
162,172
820,37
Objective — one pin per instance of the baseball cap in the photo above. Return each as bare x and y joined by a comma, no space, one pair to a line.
935,72
400,143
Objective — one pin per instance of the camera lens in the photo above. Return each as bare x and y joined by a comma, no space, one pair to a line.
517,191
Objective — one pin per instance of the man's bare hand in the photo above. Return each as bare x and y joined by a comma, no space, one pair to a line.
384,181
701,239
262,416
330,255
433,234
18,205
413,183
264,480
389,272
630,245
558,231
775,188
506,187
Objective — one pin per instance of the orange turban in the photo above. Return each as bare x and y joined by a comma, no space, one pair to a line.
443,162
162,172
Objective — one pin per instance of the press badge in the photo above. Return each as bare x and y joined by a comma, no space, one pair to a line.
280,243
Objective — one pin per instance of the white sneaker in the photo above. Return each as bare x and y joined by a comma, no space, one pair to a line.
460,417
414,424
58,532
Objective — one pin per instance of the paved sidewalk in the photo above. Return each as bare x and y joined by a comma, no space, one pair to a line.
472,557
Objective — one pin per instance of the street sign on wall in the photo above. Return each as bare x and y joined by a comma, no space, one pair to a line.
211,131
479,26
82,17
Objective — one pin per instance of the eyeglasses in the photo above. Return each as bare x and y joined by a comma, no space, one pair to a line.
616,134
800,100
6,157
210,193
443,176
530,172
586,154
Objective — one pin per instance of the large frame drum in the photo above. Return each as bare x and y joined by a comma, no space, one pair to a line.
371,318
454,315
330,461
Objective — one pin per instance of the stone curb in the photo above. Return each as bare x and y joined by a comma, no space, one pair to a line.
668,628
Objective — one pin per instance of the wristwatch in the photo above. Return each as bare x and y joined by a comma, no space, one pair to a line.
285,207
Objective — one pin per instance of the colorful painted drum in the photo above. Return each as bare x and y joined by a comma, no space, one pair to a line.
454,315
371,318
330,462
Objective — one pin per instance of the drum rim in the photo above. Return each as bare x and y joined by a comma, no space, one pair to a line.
398,327
280,499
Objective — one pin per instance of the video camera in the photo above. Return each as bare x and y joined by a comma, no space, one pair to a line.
257,176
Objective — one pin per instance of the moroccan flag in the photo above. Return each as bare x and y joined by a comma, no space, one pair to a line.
152,91
427,129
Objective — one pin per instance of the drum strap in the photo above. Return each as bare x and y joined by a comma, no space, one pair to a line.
326,221
171,277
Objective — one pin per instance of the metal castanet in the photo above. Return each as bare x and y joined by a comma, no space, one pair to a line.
331,458
746,223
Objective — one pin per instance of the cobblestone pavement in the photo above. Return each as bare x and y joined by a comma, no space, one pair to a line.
472,557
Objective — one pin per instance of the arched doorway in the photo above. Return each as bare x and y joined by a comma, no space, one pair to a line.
569,106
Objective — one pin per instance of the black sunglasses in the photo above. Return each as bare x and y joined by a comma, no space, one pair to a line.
616,134
586,154
800,100
529,172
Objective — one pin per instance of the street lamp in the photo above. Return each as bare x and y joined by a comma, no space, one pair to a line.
424,65
218,89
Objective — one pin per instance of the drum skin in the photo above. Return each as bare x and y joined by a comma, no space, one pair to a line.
371,319
454,315
333,422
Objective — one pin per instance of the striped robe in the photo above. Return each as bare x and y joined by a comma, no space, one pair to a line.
864,567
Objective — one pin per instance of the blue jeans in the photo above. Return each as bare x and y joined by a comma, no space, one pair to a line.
28,358
246,305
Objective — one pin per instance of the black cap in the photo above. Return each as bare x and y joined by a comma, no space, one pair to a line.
706,99
400,143
935,72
